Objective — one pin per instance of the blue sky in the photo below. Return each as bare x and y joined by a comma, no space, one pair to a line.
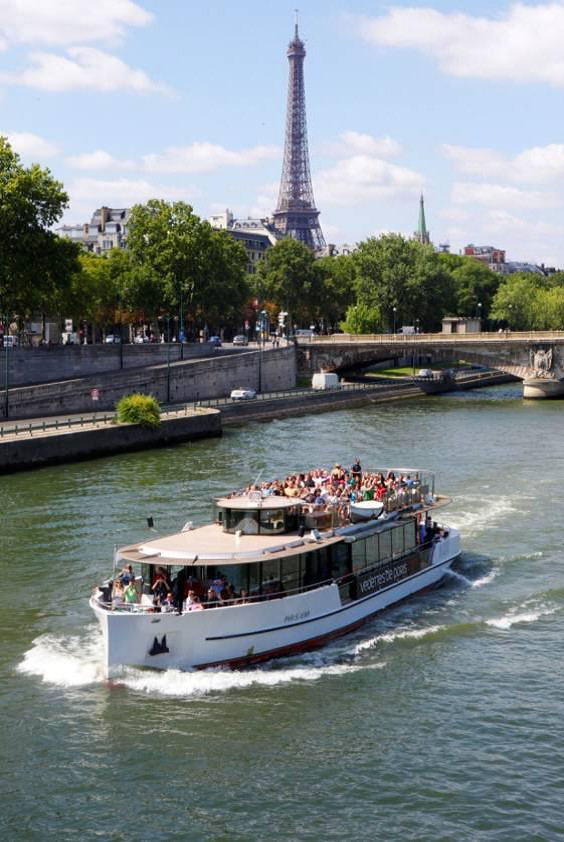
128,99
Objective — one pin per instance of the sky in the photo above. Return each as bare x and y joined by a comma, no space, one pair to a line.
125,100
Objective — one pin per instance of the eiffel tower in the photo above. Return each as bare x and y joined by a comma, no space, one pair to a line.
296,215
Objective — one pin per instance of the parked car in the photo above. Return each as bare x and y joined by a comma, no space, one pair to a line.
424,372
215,341
305,332
113,338
243,395
10,341
240,339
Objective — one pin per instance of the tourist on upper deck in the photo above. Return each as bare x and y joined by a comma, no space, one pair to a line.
167,604
213,601
356,471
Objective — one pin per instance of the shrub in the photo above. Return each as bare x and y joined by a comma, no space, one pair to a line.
139,409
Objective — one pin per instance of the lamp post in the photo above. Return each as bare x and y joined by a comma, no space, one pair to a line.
479,313
6,344
510,319
395,309
167,317
181,333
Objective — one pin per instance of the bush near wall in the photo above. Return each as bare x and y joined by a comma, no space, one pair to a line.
139,409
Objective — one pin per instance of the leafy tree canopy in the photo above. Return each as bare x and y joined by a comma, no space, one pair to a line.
286,276
34,264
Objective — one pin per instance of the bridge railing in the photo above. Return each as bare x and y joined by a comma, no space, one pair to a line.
422,338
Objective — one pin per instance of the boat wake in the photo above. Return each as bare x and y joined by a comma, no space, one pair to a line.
76,661
482,513
525,613
399,634
66,662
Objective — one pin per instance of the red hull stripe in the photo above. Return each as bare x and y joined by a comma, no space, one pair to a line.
303,645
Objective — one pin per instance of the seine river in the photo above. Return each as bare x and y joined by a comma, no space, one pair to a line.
440,720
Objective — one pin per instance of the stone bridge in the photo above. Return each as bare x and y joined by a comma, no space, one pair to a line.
536,358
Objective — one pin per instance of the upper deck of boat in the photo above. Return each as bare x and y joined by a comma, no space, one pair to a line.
210,544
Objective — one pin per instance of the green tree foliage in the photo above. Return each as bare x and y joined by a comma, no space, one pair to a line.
139,409
286,275
179,259
362,319
393,272
525,301
35,266
336,288
474,284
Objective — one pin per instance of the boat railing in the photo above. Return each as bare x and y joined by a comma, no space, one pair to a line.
252,598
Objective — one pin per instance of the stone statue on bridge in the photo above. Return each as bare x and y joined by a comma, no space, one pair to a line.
541,363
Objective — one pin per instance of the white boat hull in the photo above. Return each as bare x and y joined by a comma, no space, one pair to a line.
243,634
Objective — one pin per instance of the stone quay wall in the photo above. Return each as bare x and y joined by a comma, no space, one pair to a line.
44,364
37,451
191,380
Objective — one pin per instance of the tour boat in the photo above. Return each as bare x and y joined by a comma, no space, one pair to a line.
284,577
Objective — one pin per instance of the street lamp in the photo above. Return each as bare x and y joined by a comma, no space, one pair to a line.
510,319
395,309
479,313
167,319
6,321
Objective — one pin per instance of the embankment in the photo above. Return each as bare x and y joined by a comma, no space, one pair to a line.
37,450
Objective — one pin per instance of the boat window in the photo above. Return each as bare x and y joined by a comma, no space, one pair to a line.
254,579
270,577
245,522
409,535
340,560
310,569
237,575
385,551
272,521
290,573
397,540
359,555
371,545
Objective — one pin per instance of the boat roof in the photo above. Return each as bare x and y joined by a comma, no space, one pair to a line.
209,544
255,501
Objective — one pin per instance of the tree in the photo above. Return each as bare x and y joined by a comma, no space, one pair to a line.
362,319
180,263
516,301
286,275
336,286
34,264
403,281
474,284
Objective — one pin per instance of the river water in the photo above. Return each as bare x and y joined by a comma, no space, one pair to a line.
440,720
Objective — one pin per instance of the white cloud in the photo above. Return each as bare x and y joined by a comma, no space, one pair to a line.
206,157
538,165
360,143
60,22
98,160
85,68
86,194
523,45
499,195
362,178
30,145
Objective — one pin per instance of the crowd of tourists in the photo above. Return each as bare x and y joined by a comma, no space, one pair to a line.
340,485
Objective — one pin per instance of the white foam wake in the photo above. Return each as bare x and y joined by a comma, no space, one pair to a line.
78,662
66,662
482,513
400,634
485,580
513,617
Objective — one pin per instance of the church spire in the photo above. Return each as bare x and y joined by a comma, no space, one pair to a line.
422,234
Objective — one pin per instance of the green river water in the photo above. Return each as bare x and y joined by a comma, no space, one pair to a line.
442,719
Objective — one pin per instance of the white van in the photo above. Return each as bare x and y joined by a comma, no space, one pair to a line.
325,380
407,330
